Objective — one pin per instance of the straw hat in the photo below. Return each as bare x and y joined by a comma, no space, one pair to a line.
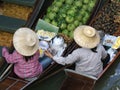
86,36
25,41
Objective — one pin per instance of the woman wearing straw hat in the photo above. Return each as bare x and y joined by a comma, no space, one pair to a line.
26,54
88,58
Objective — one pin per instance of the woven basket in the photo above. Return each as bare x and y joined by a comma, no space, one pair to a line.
66,38
5,39
16,11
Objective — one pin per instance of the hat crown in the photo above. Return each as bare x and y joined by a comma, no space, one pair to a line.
90,32
25,41
30,40
86,36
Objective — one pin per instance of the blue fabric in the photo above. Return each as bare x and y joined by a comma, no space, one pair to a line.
45,61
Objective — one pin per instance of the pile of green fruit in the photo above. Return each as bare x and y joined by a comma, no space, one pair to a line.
68,14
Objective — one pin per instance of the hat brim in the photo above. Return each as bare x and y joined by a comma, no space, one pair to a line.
84,41
19,42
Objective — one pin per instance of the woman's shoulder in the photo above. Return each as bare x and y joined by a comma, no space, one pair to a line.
17,54
100,46
80,49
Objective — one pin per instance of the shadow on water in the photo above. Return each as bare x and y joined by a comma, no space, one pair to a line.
111,78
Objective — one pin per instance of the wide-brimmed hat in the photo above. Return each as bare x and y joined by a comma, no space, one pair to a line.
86,36
25,41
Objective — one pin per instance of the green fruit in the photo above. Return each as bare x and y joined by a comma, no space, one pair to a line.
71,12
70,27
62,11
84,20
65,32
78,3
74,8
71,34
86,15
66,7
76,23
49,10
58,4
69,1
61,0
85,7
54,9
69,19
51,15
63,15
54,23
63,26
47,20
82,12
91,4
86,1
78,17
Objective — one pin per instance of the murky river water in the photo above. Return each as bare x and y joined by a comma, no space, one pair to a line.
111,79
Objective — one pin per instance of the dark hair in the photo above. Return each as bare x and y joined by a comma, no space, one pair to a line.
11,50
94,49
27,57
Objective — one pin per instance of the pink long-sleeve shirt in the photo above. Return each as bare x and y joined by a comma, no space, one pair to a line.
23,68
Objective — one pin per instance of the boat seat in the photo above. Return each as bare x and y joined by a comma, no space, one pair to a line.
9,24
68,71
77,81
29,3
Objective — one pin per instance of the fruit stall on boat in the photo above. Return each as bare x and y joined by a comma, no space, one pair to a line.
107,19
8,79
51,12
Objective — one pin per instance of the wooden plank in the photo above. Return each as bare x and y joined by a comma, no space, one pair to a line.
17,85
78,81
6,83
110,63
10,24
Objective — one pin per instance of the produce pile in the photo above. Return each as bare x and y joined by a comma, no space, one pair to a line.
5,38
16,11
68,14
108,18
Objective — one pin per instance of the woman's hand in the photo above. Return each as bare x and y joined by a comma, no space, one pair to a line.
47,53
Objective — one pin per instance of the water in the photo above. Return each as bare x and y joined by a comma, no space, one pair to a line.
110,79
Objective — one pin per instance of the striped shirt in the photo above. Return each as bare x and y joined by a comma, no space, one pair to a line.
23,68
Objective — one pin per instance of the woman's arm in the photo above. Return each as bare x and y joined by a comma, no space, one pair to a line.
10,58
71,58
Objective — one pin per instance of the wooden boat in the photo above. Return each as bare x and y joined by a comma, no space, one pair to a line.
79,81
72,80
54,68
8,25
